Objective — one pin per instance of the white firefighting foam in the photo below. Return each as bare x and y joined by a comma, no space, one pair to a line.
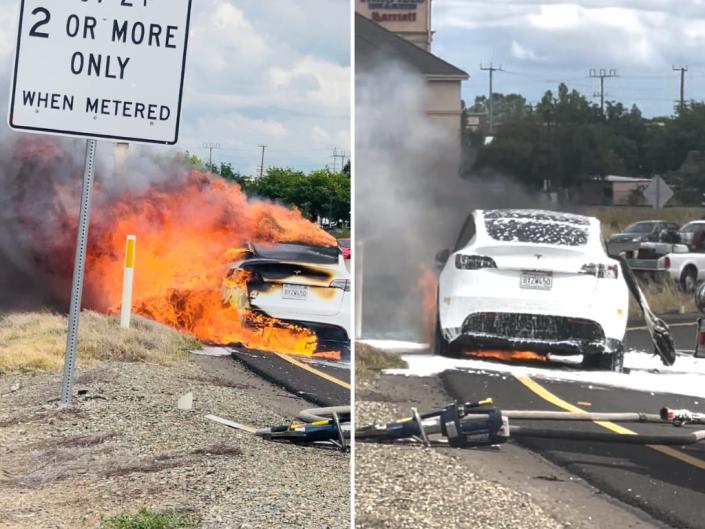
645,371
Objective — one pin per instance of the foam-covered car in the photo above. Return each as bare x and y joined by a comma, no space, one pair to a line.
532,280
301,284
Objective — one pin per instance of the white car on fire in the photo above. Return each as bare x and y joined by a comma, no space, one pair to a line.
532,280
296,283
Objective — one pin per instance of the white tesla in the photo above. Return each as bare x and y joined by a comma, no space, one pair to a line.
302,284
532,280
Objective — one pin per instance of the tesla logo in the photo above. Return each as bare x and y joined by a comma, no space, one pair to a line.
538,255
297,272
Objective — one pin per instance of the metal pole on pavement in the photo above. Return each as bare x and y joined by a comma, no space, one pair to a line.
78,268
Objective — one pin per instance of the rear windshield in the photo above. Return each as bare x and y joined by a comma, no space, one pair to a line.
298,253
538,231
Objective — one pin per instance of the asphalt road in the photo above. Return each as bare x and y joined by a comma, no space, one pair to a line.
666,482
322,383
683,329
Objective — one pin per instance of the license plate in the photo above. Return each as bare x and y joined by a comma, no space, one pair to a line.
295,291
536,280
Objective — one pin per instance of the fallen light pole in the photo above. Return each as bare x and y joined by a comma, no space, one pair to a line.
316,426
475,424
127,280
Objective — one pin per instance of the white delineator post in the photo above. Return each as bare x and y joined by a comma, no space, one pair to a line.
127,279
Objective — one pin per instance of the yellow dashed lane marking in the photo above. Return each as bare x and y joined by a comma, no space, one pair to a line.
326,376
559,402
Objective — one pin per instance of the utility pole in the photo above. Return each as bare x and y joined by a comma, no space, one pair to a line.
682,70
335,157
492,69
602,74
261,167
210,147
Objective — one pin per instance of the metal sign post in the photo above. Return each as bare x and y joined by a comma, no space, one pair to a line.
78,268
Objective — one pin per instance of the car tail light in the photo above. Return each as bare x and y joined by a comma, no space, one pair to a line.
667,262
601,270
342,284
473,262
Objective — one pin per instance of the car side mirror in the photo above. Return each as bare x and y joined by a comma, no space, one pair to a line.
442,257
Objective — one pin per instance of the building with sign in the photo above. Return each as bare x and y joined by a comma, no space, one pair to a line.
374,43
410,19
613,190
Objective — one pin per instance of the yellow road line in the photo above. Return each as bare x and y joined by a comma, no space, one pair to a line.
645,328
326,376
560,403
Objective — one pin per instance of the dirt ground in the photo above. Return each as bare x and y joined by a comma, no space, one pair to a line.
508,487
125,445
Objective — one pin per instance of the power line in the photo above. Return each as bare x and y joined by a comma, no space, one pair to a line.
682,70
492,69
210,147
602,74
261,167
335,157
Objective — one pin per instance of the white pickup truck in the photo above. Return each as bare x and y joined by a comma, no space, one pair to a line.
683,266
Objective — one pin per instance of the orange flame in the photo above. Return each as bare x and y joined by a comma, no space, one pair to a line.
189,230
328,355
509,356
186,239
427,286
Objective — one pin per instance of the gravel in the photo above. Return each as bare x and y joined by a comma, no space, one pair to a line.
411,486
126,445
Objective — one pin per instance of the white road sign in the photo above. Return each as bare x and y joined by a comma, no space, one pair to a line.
109,69
657,193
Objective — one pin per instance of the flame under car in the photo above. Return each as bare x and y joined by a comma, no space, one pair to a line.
305,285
532,280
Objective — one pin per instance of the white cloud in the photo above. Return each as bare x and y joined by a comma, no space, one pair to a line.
330,86
221,37
521,53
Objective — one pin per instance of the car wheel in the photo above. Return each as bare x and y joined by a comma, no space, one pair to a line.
689,279
440,346
606,361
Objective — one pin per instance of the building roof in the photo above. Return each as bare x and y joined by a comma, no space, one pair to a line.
372,40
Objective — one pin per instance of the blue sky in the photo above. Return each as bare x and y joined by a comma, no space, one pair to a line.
540,43
264,72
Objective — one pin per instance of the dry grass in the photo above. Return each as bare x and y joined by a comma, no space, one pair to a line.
615,219
35,341
663,298
369,361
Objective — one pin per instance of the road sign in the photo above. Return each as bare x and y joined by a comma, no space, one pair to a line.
110,69
657,193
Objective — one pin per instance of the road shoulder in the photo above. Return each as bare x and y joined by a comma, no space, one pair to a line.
126,445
